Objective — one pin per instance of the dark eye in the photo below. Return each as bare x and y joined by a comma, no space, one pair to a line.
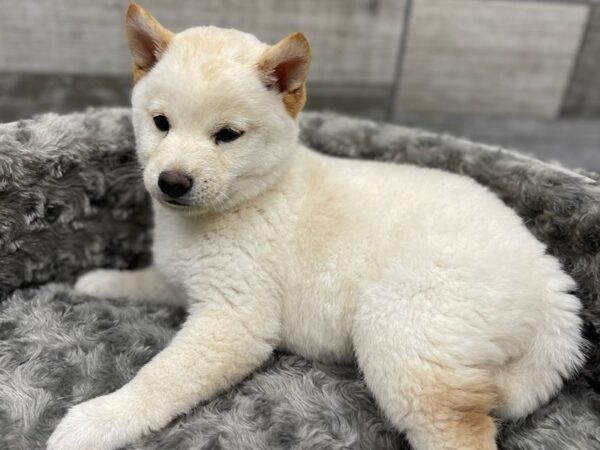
227,135
161,122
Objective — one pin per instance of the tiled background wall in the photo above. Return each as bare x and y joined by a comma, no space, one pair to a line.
518,73
497,57
376,57
354,41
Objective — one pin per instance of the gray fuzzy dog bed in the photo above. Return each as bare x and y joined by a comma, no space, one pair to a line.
71,199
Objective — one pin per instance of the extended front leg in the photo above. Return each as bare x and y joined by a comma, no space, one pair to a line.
217,347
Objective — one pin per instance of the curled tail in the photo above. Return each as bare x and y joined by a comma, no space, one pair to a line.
556,351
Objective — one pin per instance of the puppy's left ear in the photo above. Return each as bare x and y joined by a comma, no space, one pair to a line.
147,39
284,67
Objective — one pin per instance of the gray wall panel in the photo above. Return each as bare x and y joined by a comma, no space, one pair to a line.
490,57
352,40
583,95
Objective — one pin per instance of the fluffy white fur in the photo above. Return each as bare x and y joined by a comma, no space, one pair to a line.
451,307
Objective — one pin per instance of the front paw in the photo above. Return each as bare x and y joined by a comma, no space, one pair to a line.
103,423
101,283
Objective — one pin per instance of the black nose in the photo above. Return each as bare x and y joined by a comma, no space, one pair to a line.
174,184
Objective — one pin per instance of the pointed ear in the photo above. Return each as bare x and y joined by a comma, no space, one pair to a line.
147,39
284,67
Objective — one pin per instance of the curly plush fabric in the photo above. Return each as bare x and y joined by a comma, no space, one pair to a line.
71,199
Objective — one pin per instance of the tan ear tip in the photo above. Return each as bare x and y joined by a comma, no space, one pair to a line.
300,41
134,9
299,38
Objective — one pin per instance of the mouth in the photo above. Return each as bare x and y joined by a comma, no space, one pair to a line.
175,204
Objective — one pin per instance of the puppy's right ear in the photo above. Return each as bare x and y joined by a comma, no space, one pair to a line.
147,39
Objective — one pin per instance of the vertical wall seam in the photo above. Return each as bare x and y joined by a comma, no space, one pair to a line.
571,78
395,91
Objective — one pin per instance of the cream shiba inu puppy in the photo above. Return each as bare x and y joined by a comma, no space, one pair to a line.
452,309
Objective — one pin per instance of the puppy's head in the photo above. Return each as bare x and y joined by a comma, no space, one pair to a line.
214,111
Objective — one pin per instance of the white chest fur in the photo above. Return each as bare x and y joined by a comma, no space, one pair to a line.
275,239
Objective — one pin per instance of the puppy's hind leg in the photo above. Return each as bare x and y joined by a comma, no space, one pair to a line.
424,392
145,285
